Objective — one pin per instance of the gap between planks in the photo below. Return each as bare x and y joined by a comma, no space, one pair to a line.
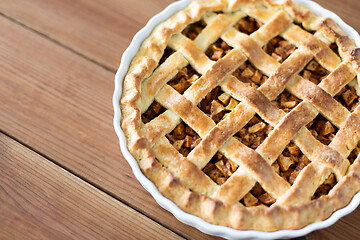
100,30
34,189
68,48
54,102
86,181
47,37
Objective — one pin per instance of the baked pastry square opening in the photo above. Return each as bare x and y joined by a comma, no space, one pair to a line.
279,48
167,53
219,169
218,50
290,163
257,197
183,138
247,73
348,97
152,112
322,129
300,24
354,154
184,79
335,49
286,101
217,104
326,187
193,30
248,25
254,132
314,72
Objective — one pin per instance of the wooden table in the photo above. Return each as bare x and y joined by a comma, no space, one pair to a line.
61,171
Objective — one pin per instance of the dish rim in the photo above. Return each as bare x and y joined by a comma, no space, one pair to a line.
182,216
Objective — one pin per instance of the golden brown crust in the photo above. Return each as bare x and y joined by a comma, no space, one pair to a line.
180,178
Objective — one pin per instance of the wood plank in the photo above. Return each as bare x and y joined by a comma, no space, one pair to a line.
100,30
39,200
59,104
348,10
346,228
37,129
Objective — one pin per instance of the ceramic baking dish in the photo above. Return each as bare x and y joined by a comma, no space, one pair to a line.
182,216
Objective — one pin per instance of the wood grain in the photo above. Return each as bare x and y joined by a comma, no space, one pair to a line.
39,200
347,10
346,228
60,105
100,30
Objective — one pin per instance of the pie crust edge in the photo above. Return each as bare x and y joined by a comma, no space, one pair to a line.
213,211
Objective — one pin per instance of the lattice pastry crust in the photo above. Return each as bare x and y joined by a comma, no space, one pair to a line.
180,177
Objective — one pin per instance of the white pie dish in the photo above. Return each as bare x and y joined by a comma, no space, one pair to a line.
149,186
